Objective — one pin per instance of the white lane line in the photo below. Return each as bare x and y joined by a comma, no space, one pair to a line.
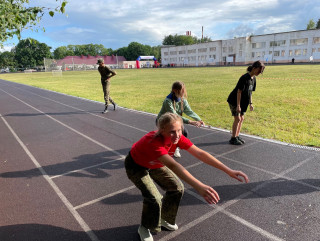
56,189
104,197
70,128
197,137
85,168
216,210
151,114
72,107
236,199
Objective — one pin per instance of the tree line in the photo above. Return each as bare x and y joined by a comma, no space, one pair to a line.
30,53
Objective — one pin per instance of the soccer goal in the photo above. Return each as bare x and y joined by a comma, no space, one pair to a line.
57,72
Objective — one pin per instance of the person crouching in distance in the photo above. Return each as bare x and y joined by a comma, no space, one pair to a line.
149,162
176,102
240,97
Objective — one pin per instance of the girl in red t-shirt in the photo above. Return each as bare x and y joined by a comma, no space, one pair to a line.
149,161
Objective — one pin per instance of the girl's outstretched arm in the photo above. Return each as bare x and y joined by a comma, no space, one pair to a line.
212,161
207,192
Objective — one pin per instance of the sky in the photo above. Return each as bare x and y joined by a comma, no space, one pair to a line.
117,23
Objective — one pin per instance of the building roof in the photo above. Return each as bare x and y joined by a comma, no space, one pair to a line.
91,60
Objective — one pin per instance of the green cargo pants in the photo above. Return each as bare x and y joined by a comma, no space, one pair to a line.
155,206
106,92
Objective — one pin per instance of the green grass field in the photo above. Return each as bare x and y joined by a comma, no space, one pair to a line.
286,99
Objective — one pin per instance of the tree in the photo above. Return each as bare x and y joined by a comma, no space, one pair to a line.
30,53
61,52
156,52
7,59
318,24
135,50
179,40
121,52
16,15
311,25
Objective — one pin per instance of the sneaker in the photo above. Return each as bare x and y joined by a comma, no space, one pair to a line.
105,110
169,226
145,234
115,106
177,153
240,139
235,141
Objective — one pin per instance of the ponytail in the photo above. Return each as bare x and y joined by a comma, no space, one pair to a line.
256,64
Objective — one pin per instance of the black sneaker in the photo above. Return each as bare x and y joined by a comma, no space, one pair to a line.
235,141
240,139
105,110
114,106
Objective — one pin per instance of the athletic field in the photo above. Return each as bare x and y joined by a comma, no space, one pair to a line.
286,99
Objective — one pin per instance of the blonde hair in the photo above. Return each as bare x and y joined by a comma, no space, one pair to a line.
180,87
167,119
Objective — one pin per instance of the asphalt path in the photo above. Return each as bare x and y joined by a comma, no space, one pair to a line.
62,177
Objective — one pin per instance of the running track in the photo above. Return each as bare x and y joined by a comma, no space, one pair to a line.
62,177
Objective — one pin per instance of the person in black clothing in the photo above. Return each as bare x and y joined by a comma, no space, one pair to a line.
241,97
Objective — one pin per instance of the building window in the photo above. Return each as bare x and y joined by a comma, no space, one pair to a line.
240,46
260,45
304,52
270,52
277,43
192,51
230,49
224,49
252,54
276,53
212,56
165,53
203,50
316,40
283,53
213,49
296,42
290,52
297,52
182,52
173,52
240,53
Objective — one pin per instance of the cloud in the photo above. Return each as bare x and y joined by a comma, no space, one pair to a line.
116,23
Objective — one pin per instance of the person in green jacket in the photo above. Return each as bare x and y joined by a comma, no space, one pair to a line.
177,103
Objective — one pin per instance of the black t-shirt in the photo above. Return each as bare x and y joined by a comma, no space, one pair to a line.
247,85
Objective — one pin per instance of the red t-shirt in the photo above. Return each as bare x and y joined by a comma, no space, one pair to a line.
149,148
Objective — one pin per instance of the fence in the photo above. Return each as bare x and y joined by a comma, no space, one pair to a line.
52,64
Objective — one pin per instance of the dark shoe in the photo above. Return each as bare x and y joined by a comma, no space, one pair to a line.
114,106
235,141
105,110
240,139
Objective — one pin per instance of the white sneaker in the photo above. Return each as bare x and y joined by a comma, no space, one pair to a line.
177,153
144,234
168,226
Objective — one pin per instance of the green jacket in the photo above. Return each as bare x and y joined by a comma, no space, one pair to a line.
105,72
167,106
